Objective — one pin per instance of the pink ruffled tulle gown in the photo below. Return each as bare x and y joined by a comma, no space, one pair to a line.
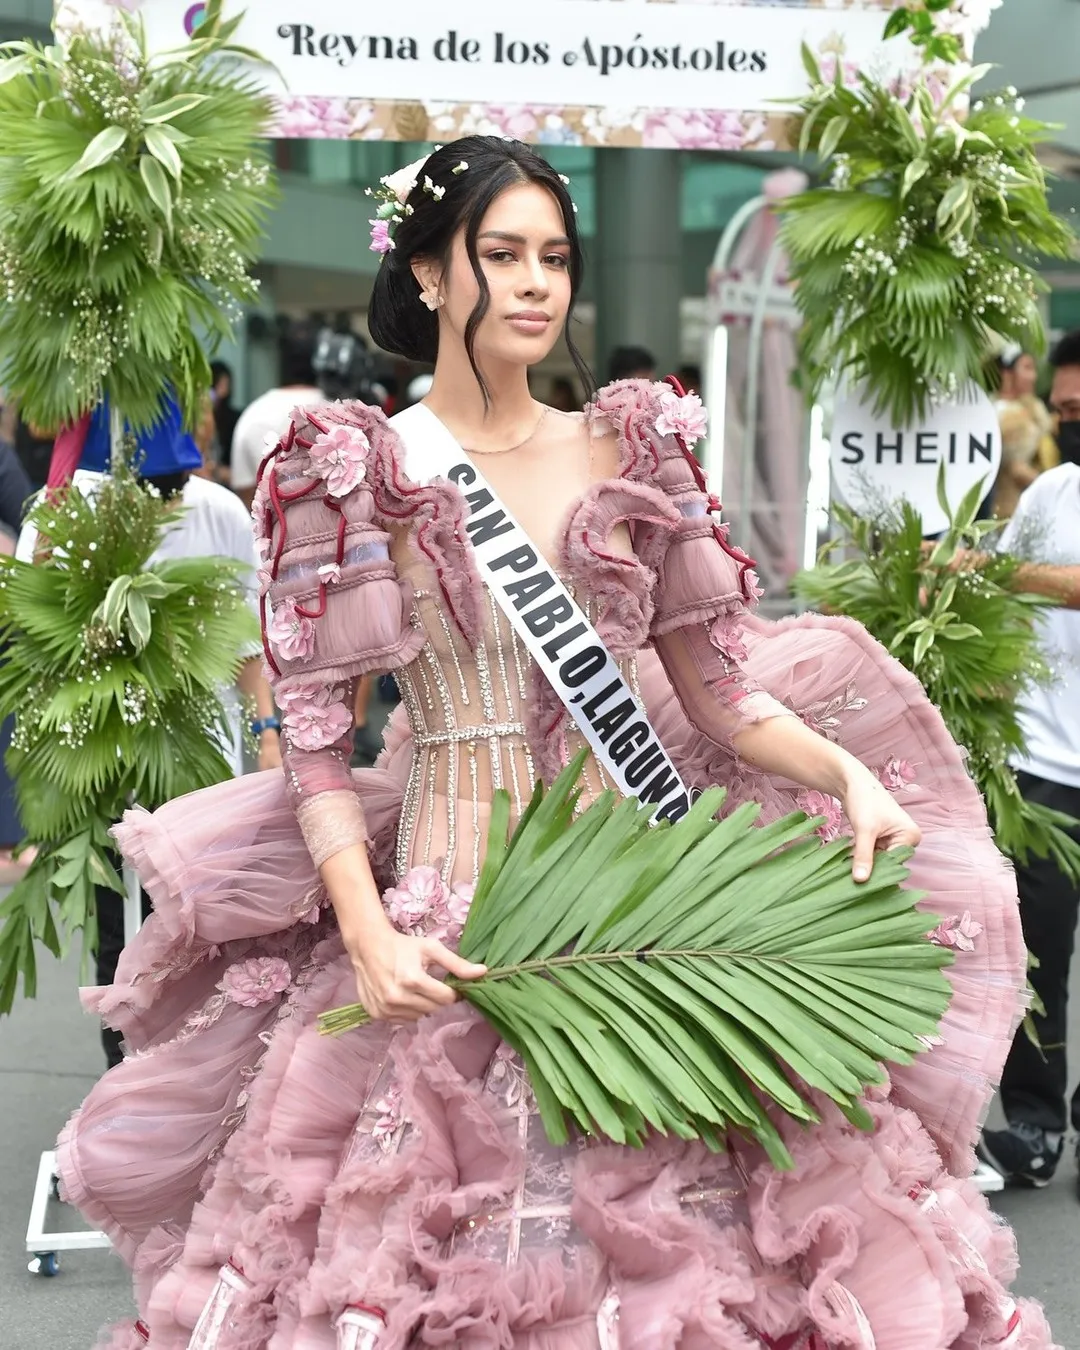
273,1189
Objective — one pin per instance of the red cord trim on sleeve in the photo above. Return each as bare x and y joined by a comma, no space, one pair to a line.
405,491
334,505
746,563
264,603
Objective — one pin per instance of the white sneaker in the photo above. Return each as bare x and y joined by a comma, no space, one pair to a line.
987,1179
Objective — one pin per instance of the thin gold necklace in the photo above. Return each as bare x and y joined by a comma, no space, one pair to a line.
509,449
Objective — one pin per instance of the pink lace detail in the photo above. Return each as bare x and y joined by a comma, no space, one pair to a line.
339,456
825,717
390,1118
291,634
313,715
958,932
896,774
507,1079
820,804
257,980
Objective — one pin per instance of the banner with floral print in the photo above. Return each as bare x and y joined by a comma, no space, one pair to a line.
639,76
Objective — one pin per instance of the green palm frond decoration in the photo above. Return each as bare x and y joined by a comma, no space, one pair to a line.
970,638
133,193
681,979
112,669
922,243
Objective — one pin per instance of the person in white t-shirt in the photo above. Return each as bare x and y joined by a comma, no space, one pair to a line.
1035,1081
260,423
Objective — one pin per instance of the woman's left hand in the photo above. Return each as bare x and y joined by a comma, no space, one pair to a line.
877,821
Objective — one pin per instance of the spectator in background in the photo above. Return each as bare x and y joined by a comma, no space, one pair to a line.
563,396
1035,1082
225,415
632,363
265,417
1019,458
34,447
15,491
690,378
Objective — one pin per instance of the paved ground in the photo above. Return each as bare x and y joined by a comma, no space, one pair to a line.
49,1057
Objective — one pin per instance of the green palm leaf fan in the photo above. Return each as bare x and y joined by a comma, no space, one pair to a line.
681,979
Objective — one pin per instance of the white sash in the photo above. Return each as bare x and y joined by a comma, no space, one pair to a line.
562,641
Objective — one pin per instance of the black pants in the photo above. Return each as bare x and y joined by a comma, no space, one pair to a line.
110,910
1035,1082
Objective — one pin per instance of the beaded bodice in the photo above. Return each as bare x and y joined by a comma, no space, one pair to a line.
467,709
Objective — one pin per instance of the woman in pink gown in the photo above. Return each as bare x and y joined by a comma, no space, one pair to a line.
273,1189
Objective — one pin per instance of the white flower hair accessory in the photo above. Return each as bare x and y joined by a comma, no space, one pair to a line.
393,193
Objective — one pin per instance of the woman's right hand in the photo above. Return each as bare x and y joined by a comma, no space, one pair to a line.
392,975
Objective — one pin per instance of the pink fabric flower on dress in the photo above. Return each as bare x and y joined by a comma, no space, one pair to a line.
380,236
458,905
896,774
421,894
727,637
255,981
389,1119
314,716
685,417
959,932
339,457
291,634
820,804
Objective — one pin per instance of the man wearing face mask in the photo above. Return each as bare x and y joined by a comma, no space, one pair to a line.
1046,528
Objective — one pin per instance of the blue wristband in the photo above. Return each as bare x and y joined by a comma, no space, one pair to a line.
262,724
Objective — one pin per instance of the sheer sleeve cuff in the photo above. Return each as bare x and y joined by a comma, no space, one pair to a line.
332,822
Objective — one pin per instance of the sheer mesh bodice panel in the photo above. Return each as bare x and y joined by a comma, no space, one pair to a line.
466,707
466,710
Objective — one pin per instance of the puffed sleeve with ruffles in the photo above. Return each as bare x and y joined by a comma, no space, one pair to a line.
333,607
705,587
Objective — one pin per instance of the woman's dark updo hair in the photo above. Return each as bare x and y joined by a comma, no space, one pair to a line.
397,320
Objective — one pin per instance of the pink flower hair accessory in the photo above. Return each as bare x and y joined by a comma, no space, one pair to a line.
393,194
256,980
339,457
684,417
313,716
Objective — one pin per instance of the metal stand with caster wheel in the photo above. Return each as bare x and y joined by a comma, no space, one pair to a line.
41,1245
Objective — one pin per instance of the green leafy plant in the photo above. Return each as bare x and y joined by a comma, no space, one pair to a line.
967,634
112,669
920,20
678,978
133,189
922,245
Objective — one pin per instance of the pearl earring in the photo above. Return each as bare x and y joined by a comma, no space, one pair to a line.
432,300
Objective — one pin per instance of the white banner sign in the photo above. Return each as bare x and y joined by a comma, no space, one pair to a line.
598,53
874,463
